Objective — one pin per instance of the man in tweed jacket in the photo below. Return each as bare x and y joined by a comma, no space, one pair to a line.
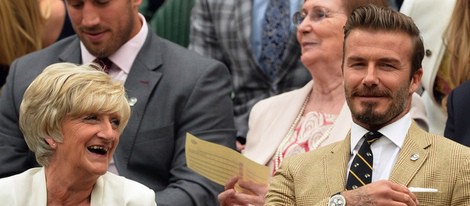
382,68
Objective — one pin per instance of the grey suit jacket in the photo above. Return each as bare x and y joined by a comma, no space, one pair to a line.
177,91
311,178
221,29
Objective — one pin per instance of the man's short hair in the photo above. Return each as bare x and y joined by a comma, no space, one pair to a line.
375,18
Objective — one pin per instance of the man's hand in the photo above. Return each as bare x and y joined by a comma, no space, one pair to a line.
382,192
250,193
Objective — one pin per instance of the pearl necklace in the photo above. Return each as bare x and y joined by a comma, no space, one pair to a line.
278,158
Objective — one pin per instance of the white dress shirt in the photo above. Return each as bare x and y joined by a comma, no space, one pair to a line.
385,150
124,57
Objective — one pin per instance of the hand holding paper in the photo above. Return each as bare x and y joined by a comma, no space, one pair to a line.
219,163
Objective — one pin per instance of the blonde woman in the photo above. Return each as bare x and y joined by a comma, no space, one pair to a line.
72,117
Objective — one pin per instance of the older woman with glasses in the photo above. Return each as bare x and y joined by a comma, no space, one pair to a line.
71,117
311,117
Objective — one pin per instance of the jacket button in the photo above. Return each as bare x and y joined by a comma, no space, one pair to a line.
428,52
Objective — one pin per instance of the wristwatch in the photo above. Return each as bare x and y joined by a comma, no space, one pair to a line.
337,200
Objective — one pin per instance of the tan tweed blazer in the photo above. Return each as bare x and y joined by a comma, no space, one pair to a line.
311,178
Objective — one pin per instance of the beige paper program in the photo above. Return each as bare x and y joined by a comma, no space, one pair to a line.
219,163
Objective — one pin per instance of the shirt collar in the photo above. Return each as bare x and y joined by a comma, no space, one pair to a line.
126,52
395,132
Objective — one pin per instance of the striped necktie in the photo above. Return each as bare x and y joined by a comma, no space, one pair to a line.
360,172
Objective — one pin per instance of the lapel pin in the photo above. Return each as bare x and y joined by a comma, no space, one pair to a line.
132,101
414,157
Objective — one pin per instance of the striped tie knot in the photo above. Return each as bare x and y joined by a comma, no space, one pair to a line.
371,137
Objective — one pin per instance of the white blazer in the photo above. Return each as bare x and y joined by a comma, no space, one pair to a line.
271,118
432,18
29,189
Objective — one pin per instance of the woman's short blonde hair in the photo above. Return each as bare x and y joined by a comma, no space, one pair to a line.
67,90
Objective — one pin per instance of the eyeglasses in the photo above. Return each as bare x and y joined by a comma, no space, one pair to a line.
317,14
298,18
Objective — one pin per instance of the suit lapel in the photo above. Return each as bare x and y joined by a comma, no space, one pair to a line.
412,156
140,84
40,190
336,165
72,52
267,143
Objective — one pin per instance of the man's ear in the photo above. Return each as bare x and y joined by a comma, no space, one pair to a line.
137,2
416,80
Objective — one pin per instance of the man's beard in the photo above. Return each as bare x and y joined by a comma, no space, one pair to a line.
369,115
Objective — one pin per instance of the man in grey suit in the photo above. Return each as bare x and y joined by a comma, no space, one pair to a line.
170,89
231,32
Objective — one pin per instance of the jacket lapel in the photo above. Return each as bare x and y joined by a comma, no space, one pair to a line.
288,116
140,84
412,156
265,144
336,165
341,126
40,190
72,52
